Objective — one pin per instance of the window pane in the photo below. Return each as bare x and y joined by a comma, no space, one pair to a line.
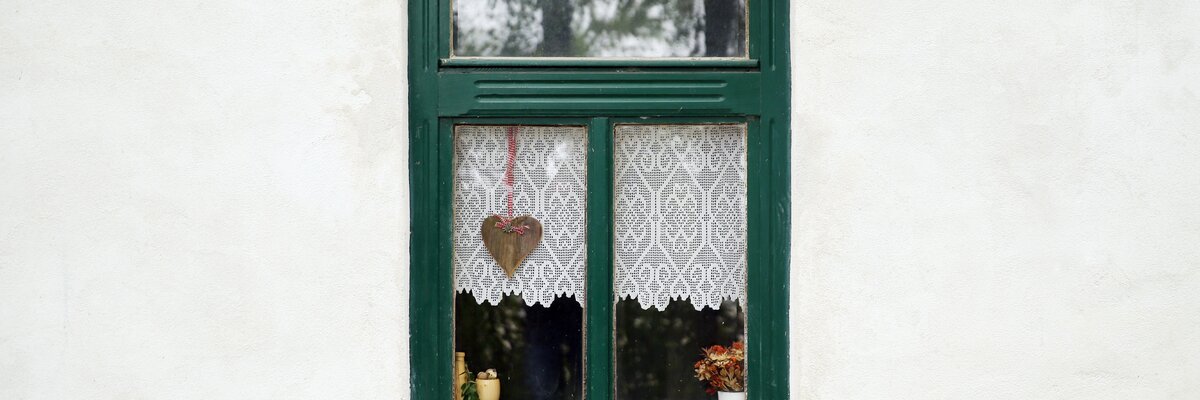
599,28
526,325
680,244
536,350
656,350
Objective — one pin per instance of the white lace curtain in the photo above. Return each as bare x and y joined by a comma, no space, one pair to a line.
549,183
680,212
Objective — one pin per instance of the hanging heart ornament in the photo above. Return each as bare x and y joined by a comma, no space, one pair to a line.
510,240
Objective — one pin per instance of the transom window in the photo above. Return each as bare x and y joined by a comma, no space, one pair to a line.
599,28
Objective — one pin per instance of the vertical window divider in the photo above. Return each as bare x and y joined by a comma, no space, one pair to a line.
760,377
445,263
598,378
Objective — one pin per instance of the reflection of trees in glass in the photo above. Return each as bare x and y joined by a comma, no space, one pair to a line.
724,36
536,350
600,28
655,350
556,27
496,27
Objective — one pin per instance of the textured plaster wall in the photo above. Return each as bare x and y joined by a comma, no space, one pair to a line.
207,200
203,200
996,200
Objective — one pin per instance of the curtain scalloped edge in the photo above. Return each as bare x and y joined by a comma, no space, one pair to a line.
514,292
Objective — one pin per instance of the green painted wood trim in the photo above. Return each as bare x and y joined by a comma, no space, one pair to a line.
523,121
444,26
701,120
754,43
599,322
767,372
761,306
599,62
427,328
600,93
444,267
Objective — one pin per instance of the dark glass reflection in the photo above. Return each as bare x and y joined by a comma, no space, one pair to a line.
536,350
655,350
599,28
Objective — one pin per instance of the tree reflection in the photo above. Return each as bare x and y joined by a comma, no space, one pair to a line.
600,28
655,350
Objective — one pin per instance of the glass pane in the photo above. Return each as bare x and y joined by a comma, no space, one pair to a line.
537,351
519,256
599,28
656,351
680,240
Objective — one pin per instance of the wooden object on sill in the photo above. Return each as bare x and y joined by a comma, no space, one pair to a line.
460,373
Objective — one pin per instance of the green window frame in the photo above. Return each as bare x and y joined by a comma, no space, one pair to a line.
599,94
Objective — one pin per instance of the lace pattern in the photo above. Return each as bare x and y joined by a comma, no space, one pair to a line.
680,214
550,184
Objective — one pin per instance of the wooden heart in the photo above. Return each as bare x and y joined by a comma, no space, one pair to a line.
510,248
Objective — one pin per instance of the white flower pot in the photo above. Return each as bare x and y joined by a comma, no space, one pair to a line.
731,395
488,389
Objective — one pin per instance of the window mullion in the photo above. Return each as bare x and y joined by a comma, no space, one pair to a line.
599,314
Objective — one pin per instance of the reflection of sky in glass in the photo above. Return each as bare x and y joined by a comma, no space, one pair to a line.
599,28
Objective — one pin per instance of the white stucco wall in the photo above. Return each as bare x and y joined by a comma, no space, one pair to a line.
996,200
203,200
207,200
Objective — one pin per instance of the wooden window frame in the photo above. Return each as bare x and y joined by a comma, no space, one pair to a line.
598,93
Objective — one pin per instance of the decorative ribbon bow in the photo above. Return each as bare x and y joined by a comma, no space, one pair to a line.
508,227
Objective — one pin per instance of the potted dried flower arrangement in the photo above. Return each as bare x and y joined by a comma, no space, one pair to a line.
724,369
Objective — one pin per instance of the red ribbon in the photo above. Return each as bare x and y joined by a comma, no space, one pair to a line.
506,222
507,225
508,170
